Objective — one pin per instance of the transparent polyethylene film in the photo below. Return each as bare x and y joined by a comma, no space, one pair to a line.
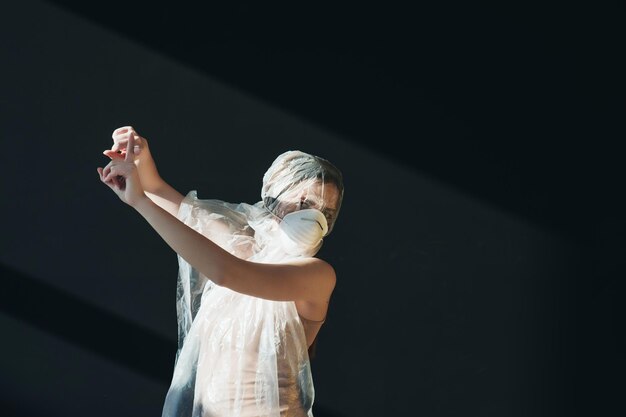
237,355
240,355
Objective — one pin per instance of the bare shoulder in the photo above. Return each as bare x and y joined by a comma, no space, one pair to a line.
322,270
316,309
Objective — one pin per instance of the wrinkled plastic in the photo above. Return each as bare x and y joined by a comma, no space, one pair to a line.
240,355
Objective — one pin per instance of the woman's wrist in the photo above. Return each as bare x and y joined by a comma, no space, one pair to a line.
150,178
142,204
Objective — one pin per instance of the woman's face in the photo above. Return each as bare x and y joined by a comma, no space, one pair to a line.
320,196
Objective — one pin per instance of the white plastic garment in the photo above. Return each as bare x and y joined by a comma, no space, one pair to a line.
238,355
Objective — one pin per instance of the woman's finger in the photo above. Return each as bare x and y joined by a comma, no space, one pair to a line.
124,136
112,170
130,149
115,171
109,183
122,144
111,164
119,141
112,154
121,130
118,181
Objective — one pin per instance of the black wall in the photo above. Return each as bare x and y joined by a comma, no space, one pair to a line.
479,250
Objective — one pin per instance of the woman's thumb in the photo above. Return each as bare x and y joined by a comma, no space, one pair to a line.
112,154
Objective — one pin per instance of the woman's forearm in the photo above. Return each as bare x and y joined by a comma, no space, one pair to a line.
160,192
206,256
151,181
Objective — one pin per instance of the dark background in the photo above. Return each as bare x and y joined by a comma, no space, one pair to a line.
480,250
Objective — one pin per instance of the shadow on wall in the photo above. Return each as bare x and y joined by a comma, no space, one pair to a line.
82,324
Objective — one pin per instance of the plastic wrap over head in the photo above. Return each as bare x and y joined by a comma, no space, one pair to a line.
297,180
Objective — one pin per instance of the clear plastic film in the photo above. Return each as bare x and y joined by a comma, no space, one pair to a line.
240,355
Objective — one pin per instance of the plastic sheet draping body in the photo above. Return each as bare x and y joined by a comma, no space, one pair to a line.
237,355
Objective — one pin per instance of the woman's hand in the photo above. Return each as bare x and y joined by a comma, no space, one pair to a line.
148,173
122,177
121,137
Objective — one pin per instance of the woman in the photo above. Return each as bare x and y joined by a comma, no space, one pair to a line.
251,295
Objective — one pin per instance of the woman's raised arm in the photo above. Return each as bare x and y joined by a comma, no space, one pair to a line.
309,279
